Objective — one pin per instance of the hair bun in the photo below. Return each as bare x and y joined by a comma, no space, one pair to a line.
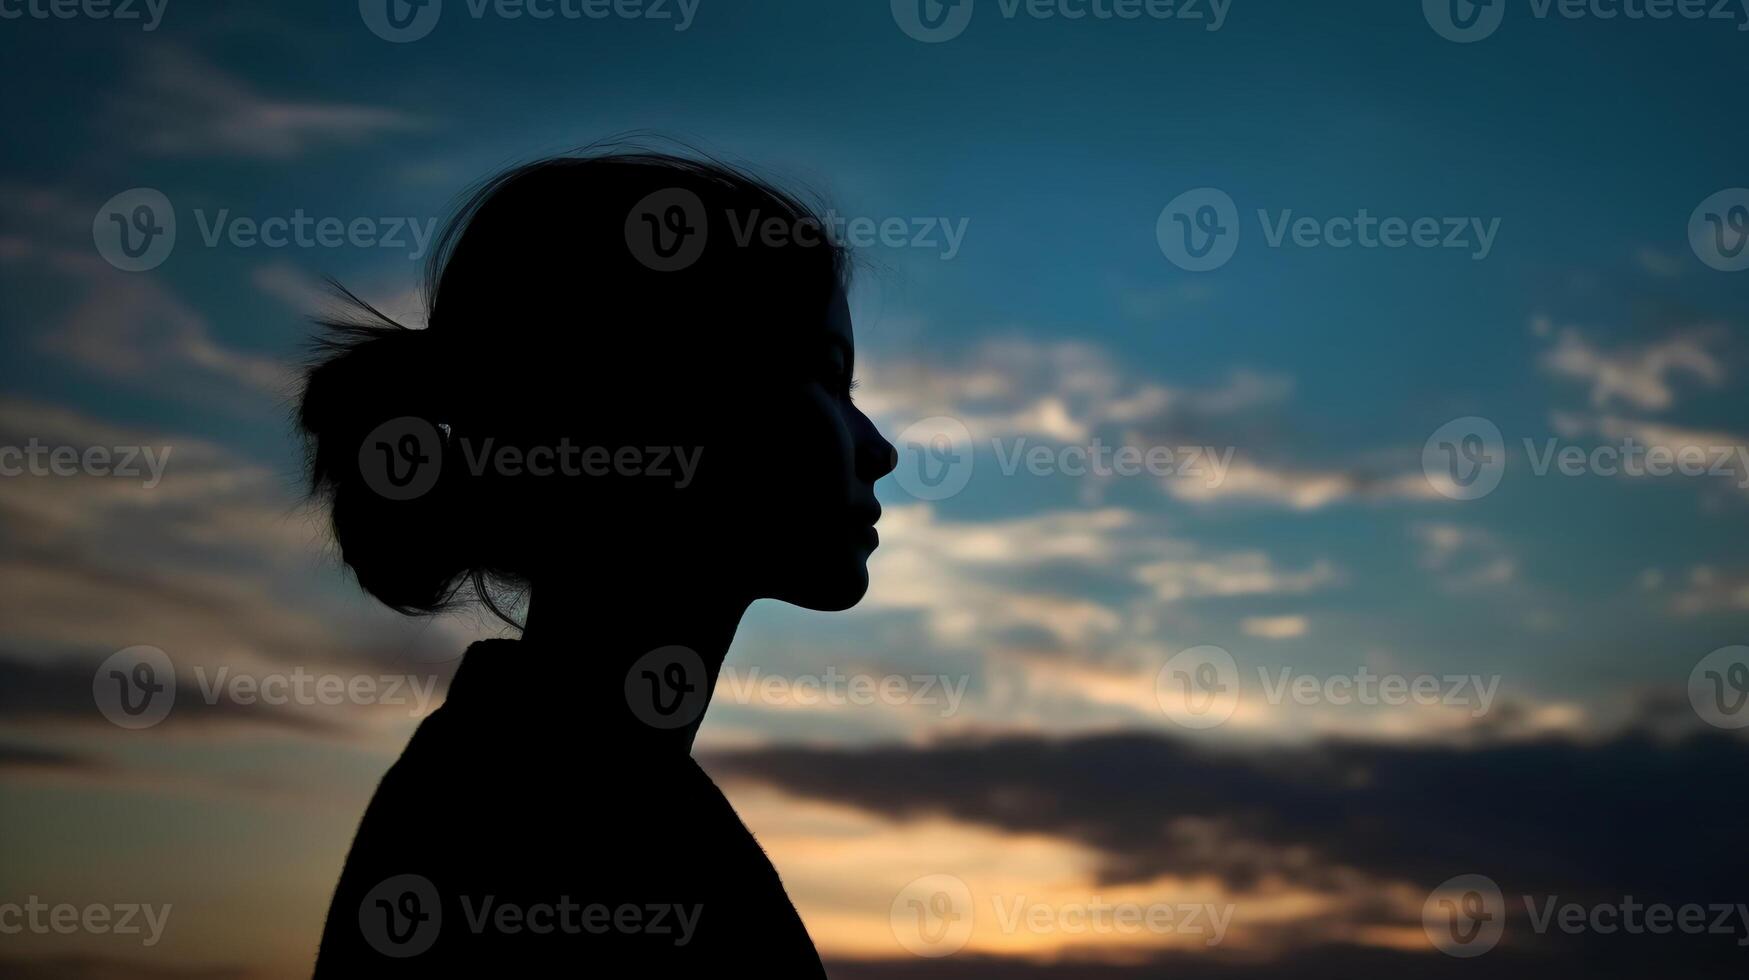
377,453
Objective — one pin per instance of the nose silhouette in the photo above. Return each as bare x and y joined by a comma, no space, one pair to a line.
876,457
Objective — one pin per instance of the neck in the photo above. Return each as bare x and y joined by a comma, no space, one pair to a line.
602,646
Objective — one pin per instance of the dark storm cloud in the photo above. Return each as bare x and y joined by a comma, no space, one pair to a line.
1655,818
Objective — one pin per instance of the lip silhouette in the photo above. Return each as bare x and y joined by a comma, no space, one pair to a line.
863,519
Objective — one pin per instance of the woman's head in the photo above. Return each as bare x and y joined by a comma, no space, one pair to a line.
636,371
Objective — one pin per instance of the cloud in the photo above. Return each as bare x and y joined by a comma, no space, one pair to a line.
1707,591
1641,376
133,328
1541,815
1274,627
1711,458
1237,574
35,758
182,106
983,582
1298,489
1074,392
60,693
218,563
1067,391
969,577
1465,558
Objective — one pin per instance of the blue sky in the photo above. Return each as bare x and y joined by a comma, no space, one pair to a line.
1587,143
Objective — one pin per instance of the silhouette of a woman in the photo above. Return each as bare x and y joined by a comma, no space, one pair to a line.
632,406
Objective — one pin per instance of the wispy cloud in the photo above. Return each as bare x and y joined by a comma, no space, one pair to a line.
1642,376
180,105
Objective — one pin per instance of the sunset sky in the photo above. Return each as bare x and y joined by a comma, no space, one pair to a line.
1015,726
